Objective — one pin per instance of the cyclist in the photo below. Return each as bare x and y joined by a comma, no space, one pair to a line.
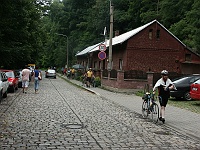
164,85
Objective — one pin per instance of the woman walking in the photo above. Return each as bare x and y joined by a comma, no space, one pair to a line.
38,77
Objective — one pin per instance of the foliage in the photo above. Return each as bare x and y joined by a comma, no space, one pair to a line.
19,26
29,28
97,81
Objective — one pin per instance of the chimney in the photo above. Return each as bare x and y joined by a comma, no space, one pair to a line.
116,33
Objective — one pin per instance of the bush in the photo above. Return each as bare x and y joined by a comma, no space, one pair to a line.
97,81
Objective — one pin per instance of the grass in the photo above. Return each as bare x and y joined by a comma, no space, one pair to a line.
193,106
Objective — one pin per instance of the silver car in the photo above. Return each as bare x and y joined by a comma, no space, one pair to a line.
3,85
50,73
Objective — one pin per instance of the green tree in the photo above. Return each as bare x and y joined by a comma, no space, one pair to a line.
18,32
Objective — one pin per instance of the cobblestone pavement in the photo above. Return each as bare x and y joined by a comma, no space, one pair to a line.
63,116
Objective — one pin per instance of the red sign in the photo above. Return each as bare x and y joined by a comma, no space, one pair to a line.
102,55
102,47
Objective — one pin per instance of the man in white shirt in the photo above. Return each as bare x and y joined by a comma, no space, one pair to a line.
25,79
164,85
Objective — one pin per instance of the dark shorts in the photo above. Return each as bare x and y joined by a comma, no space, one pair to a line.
163,100
89,79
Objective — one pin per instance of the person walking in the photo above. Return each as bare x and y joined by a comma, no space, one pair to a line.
72,73
38,77
89,77
164,85
26,73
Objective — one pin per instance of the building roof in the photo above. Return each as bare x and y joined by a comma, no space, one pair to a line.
124,37
87,50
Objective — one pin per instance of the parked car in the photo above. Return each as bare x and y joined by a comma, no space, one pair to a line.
3,85
50,73
182,85
195,90
12,79
18,74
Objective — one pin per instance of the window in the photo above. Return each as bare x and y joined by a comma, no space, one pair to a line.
120,64
150,34
187,57
158,34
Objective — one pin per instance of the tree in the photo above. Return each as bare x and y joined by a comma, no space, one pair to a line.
18,31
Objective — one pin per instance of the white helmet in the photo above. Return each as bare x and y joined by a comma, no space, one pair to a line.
164,72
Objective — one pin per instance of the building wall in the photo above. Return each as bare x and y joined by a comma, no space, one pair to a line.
156,54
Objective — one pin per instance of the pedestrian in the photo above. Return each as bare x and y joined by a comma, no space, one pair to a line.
68,73
73,73
89,77
164,85
38,77
84,78
64,71
26,73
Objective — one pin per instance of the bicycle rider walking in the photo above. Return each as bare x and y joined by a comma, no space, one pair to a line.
164,85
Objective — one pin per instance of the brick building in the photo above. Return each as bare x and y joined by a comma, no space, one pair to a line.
149,48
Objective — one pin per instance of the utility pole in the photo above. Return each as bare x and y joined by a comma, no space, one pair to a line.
67,48
111,35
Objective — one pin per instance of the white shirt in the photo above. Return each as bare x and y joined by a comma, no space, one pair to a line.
25,74
162,82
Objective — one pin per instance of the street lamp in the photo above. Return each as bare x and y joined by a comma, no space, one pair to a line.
67,46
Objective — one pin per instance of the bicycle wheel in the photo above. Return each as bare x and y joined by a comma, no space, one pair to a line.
154,112
144,109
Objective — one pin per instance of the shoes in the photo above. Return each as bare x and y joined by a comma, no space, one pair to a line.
162,119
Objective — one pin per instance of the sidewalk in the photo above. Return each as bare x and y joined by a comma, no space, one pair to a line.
181,120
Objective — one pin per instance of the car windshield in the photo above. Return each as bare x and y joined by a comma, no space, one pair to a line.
197,82
186,80
51,71
10,74
181,80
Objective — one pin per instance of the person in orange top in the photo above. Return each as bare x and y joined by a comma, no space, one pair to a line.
73,73
89,77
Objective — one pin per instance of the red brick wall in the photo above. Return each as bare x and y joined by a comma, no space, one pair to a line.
153,54
120,83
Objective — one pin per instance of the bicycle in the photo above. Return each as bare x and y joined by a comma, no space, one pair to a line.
149,106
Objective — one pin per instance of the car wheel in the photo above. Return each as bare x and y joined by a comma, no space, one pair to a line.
5,95
12,89
16,88
187,96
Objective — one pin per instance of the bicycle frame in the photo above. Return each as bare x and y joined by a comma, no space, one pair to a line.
149,106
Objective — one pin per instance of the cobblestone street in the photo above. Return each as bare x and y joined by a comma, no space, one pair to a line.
64,116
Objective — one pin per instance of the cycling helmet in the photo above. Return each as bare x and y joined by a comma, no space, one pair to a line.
164,72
